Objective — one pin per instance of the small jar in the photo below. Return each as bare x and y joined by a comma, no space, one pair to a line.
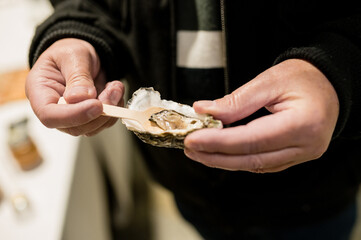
22,146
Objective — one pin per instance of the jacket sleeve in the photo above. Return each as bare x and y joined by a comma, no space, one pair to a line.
97,22
334,46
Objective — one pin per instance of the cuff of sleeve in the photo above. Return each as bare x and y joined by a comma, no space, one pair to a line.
337,58
74,29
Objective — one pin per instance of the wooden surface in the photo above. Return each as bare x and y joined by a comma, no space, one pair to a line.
12,85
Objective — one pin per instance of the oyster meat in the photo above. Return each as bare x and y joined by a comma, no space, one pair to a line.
169,126
172,120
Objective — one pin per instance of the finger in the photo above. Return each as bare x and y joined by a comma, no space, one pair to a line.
258,163
241,103
70,115
79,88
90,128
46,80
113,93
265,134
79,69
108,124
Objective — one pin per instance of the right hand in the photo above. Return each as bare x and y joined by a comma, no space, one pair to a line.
71,68
304,110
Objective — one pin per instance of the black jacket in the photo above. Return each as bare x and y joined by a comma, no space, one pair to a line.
136,39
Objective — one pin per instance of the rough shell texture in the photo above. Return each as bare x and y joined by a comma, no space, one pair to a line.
144,98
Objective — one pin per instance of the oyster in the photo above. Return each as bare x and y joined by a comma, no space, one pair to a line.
169,126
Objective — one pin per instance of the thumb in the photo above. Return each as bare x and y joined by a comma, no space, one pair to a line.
79,67
241,103
79,87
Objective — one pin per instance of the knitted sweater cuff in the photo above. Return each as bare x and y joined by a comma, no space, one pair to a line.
74,29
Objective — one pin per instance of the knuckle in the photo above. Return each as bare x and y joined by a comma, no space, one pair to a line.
253,145
232,100
78,77
256,164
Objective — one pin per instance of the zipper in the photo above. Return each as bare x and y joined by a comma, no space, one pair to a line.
125,16
173,84
224,47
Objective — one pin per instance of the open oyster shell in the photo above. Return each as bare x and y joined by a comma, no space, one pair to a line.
172,124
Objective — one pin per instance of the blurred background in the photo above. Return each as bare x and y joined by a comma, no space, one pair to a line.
54,186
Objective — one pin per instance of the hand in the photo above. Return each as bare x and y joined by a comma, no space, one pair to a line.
304,108
71,68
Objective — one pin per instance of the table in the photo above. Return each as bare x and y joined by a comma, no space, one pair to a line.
47,186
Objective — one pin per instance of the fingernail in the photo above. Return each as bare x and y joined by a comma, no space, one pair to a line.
93,112
192,146
78,91
189,153
205,103
114,97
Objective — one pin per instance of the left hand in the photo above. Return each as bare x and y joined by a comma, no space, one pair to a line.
71,68
304,107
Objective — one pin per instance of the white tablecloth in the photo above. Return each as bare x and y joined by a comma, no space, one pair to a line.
47,186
